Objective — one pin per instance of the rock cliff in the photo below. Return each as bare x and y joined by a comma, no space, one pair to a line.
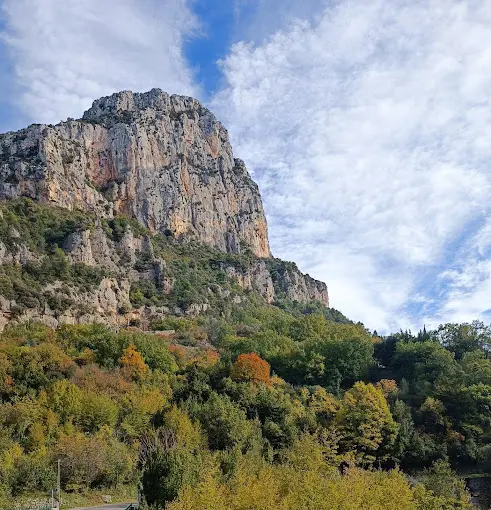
164,160
200,236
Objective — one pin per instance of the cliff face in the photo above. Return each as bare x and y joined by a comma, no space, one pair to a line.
275,279
164,160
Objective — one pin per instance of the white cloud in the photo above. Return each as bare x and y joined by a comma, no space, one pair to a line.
258,19
468,281
369,131
69,52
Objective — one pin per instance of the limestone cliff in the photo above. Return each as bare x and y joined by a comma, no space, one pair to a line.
164,160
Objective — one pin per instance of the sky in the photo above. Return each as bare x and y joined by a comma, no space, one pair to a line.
366,123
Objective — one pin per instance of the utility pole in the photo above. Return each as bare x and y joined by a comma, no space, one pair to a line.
58,485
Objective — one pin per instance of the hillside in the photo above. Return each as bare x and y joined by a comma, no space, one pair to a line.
195,418
148,338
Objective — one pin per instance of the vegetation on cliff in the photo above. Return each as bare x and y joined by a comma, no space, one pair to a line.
38,267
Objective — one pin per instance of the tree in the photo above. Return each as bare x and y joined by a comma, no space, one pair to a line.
250,367
323,404
470,408
139,406
227,426
312,326
389,388
423,364
462,338
443,483
365,421
65,399
405,431
166,467
96,411
432,413
134,366
209,493
38,366
6,380
186,433
93,461
339,360
476,368
155,353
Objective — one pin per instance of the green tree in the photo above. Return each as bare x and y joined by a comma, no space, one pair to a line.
423,365
366,424
65,399
465,337
96,411
167,466
227,426
443,483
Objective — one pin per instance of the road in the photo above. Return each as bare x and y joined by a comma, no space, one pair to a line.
112,506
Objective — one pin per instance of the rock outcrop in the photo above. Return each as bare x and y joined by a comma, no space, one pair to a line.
289,282
164,160
109,301
272,279
276,279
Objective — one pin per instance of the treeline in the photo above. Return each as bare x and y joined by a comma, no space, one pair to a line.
262,408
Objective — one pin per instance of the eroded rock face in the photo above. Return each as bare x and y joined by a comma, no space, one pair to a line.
302,287
164,160
288,281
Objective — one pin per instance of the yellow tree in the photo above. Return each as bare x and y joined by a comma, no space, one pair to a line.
134,366
389,387
365,422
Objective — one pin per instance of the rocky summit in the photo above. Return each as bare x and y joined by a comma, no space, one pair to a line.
164,160
142,209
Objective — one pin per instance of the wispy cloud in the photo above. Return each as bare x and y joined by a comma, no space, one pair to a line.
69,52
369,131
258,19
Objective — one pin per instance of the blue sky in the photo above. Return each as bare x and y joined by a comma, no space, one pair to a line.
366,123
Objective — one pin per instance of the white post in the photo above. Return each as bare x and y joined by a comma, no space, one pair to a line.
58,484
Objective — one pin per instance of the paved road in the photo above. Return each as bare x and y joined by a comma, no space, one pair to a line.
112,506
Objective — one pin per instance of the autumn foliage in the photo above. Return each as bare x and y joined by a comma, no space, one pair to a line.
250,367
388,386
134,366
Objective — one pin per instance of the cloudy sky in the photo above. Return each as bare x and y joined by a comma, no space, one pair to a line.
366,123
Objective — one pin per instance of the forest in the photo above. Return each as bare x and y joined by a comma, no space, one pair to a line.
264,408
246,405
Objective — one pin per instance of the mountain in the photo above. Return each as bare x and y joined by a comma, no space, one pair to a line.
143,210
164,160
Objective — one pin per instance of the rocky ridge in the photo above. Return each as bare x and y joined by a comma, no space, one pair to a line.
164,161
110,300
